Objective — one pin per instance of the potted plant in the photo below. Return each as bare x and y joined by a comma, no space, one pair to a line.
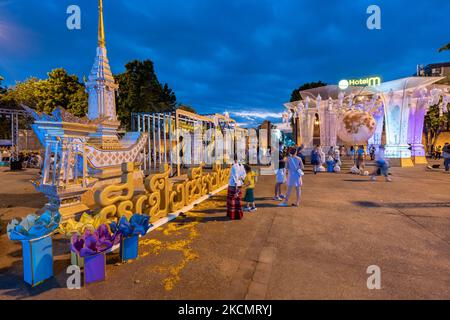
85,223
91,248
130,231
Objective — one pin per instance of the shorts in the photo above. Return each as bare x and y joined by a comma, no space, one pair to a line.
249,195
281,175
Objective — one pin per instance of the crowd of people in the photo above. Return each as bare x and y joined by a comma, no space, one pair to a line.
26,159
289,175
243,178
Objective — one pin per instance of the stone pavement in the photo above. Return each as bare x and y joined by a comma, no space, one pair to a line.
318,251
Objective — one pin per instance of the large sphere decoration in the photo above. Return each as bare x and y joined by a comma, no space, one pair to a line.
356,127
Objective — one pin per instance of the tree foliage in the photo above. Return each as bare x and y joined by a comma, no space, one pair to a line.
435,124
2,89
59,90
141,91
295,96
5,121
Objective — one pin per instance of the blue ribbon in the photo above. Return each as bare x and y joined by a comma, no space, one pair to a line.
138,225
43,226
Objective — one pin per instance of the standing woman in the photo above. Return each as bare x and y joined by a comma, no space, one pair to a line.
360,157
295,167
234,196
315,159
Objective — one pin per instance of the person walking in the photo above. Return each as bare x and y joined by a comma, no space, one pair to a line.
438,153
382,166
295,168
446,156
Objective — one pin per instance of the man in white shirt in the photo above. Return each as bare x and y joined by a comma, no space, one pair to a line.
237,175
382,165
234,196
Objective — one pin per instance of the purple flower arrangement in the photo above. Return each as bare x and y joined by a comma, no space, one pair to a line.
93,243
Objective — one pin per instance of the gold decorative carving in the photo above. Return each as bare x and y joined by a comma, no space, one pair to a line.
161,195
116,193
157,185
140,203
178,196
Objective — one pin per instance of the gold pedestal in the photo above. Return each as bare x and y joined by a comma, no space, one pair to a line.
420,160
401,162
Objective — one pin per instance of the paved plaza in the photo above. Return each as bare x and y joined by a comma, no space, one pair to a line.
319,251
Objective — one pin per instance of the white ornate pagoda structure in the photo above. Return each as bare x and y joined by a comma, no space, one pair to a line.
84,154
102,88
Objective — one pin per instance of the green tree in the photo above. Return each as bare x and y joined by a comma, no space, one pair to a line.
59,90
141,91
295,96
2,89
5,122
435,124
23,92
63,90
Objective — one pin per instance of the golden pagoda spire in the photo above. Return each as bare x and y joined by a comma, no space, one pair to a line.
101,27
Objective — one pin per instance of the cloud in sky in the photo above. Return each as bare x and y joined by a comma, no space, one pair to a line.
236,55
254,117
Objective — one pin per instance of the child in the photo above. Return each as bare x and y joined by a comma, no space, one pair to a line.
281,179
249,184
316,159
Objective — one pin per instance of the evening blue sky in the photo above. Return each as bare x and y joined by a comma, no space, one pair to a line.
241,56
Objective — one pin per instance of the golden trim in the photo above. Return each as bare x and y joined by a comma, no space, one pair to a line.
101,27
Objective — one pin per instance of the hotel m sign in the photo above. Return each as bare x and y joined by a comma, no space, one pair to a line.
363,82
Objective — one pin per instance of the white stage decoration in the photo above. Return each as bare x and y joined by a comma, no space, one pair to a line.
358,115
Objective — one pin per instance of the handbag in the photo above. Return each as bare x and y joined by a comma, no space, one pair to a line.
299,171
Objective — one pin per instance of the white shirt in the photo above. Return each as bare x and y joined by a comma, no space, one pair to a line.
237,175
380,156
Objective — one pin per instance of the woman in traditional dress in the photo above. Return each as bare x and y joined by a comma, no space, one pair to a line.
234,196
295,167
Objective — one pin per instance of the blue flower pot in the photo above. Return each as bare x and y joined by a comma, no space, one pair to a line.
37,260
129,248
94,268
330,166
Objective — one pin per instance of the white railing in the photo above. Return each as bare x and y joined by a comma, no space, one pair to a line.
65,163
